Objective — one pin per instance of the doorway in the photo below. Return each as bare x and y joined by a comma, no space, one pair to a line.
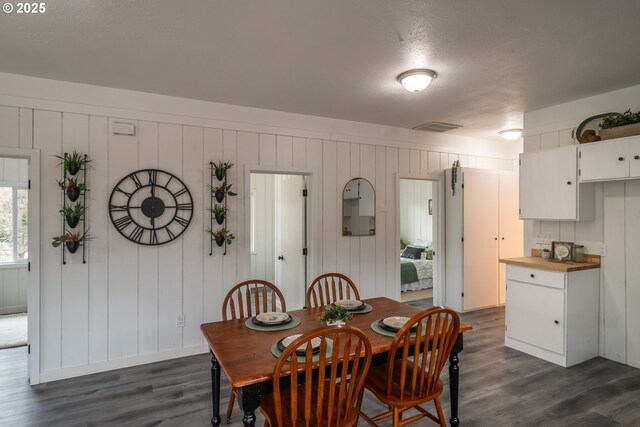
279,233
19,255
418,236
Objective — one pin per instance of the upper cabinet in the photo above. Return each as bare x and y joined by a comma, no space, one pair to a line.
610,160
549,187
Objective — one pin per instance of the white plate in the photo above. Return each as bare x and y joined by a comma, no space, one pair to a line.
272,317
349,304
315,343
395,322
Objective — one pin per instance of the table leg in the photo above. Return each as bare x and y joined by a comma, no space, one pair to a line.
454,380
215,390
249,401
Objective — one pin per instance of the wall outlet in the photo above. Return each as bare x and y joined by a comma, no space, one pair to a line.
180,321
603,250
543,240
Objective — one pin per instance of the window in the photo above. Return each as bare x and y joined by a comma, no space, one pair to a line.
14,242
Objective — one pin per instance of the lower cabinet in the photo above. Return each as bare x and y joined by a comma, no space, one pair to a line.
553,315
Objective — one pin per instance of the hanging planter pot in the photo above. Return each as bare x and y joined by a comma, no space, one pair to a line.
220,219
72,221
219,195
73,169
220,174
73,193
72,245
219,240
221,169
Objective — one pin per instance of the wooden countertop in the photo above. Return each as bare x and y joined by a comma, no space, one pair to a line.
535,261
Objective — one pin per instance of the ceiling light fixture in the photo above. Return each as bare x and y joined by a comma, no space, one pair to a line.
416,80
511,134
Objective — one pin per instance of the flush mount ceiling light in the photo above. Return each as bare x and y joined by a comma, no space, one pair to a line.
511,134
416,80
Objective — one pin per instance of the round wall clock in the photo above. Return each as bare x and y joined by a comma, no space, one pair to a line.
150,207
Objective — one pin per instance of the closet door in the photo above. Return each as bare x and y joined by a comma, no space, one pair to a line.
510,243
480,207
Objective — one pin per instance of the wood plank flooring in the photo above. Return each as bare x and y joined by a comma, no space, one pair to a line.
499,386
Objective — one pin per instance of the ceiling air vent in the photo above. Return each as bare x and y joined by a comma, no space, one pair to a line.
437,127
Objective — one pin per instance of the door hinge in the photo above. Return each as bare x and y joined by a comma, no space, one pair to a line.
463,295
29,266
520,162
579,154
519,210
305,251
29,185
305,193
462,239
462,186
579,172
28,348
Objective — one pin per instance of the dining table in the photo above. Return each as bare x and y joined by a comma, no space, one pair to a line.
245,355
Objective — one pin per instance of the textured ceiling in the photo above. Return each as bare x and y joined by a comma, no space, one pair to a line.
495,59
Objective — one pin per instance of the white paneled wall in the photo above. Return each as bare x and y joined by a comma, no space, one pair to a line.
616,224
262,264
13,290
120,308
415,221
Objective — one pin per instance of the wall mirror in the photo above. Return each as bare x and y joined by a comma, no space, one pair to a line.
358,208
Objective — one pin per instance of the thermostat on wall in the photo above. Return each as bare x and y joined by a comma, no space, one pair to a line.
124,128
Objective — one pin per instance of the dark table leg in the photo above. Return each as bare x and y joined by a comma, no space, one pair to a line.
249,401
215,390
454,380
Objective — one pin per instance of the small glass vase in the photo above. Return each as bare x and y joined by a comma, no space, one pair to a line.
336,323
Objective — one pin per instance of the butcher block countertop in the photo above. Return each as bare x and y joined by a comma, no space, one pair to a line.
536,261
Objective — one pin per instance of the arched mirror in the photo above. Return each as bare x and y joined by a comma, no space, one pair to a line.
358,208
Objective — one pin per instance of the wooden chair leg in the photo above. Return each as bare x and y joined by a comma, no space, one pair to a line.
443,423
396,417
232,400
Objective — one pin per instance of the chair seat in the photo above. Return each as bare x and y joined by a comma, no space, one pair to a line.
267,407
376,382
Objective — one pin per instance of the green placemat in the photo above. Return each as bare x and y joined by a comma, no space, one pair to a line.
376,328
295,321
276,351
367,309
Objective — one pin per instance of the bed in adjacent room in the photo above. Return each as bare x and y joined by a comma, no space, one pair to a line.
416,272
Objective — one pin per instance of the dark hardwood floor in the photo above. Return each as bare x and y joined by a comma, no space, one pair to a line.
499,386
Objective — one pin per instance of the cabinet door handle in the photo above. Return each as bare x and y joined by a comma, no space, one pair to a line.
568,182
495,238
636,157
533,275
503,238
620,159
556,322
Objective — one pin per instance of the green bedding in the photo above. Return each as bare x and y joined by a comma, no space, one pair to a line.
408,272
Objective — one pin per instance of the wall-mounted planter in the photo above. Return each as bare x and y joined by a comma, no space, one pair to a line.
72,221
72,246
219,194
219,240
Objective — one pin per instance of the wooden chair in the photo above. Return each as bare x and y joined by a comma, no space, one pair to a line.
403,383
326,392
328,288
248,299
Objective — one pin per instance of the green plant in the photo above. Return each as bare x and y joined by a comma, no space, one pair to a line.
403,244
76,210
223,233
615,120
70,237
72,184
224,188
219,210
546,250
333,313
73,162
221,169
454,176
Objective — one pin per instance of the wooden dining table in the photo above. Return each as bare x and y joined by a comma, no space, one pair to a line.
245,354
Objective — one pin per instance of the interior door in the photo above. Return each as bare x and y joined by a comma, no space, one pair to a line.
510,243
290,239
480,206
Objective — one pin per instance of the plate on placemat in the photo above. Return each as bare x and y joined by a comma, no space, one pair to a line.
271,318
286,341
350,304
394,323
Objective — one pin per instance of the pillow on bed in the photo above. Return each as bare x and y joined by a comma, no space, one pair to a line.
419,243
411,252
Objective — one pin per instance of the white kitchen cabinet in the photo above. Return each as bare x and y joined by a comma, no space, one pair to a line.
481,226
610,160
553,315
549,187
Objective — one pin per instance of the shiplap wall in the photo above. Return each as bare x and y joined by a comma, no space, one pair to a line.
13,289
616,224
122,305
415,221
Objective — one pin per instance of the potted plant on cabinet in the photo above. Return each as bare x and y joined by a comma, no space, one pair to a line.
335,315
221,169
221,191
72,214
72,163
220,212
222,235
546,253
620,125
71,240
73,188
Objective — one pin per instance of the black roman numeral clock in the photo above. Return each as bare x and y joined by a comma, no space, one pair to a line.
150,207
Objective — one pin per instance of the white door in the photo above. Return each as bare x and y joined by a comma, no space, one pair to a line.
480,259
290,239
510,243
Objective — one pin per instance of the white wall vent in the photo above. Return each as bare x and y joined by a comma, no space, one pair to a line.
437,127
120,128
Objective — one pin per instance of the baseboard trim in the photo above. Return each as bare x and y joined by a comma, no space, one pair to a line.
13,310
109,365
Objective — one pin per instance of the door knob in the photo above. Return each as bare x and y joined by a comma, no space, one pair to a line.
636,157
556,322
620,159
281,258
568,182
533,275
